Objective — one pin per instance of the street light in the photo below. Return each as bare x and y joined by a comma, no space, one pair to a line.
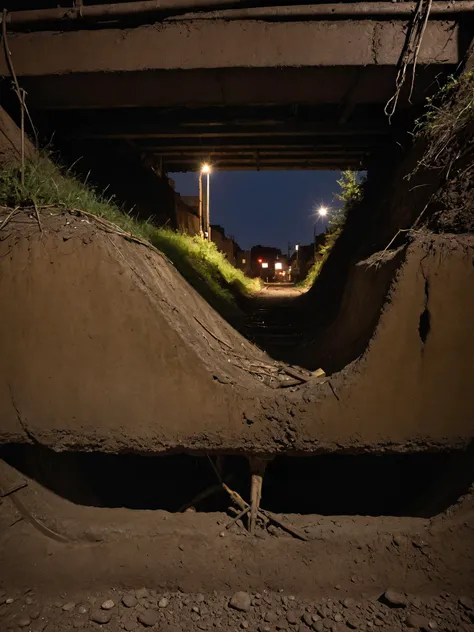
322,211
204,215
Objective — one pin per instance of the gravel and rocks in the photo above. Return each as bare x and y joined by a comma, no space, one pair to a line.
255,612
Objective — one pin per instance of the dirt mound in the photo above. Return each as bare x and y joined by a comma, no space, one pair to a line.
105,347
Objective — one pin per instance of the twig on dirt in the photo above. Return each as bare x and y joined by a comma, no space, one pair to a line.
283,525
236,497
212,334
38,216
263,514
238,517
8,218
209,491
297,374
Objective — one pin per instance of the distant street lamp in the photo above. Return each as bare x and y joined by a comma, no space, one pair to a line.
322,211
204,215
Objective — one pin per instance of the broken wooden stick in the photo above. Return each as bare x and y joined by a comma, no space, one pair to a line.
237,517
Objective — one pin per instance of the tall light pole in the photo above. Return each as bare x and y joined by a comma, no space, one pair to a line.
204,215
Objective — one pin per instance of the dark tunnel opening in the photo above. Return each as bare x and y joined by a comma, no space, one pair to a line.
421,484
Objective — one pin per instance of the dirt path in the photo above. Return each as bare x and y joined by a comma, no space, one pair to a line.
272,320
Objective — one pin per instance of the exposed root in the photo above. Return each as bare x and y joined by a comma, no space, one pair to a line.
410,53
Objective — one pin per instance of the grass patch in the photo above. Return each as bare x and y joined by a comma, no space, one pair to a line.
351,193
199,261
448,113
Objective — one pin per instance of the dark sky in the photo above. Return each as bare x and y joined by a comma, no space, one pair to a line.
270,208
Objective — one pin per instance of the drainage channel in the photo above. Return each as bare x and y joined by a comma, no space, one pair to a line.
422,484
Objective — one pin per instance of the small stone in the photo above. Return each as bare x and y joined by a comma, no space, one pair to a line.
307,618
348,602
129,601
292,617
338,618
432,625
163,602
466,603
353,623
23,622
244,625
28,601
379,622
141,593
414,620
108,605
70,605
9,600
264,628
271,617
394,599
337,587
35,614
281,625
130,624
399,540
82,609
101,616
240,601
200,598
195,609
148,618
318,626
316,617
78,623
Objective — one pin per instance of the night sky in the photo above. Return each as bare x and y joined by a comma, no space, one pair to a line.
270,208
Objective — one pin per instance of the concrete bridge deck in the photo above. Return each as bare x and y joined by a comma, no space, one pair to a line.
260,88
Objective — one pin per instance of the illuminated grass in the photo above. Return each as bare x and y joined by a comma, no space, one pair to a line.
199,261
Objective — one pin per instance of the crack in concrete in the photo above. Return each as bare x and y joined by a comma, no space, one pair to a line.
20,420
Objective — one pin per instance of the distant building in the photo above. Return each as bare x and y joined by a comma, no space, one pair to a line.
243,261
268,263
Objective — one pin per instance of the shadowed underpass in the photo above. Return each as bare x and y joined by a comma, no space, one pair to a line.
158,469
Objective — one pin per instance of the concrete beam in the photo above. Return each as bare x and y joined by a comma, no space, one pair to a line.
221,44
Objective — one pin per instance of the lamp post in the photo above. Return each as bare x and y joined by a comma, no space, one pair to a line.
204,215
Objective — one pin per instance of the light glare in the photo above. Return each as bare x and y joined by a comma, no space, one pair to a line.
322,211
206,168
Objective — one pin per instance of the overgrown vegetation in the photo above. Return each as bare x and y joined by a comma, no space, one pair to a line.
199,261
447,114
350,193
447,127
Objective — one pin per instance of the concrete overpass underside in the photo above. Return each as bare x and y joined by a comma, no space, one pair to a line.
293,87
